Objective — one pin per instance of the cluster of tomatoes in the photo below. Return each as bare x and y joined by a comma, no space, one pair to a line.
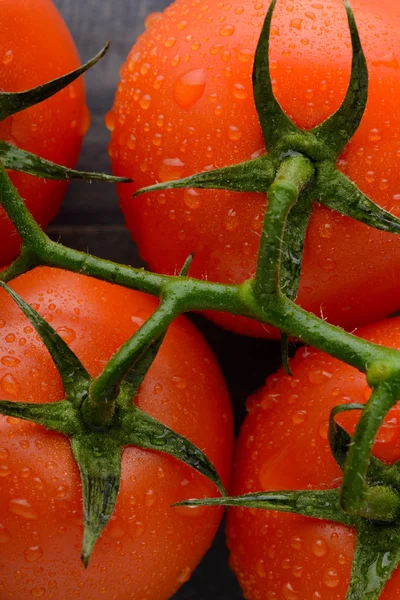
185,105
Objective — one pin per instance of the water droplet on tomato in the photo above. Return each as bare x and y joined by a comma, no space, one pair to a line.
189,88
5,471
170,41
67,334
33,553
234,133
110,120
227,30
184,575
319,548
288,592
22,508
296,23
331,578
10,338
158,82
151,498
4,454
179,383
296,543
299,417
239,10
5,537
389,60
38,592
260,569
151,19
239,91
374,135
171,169
145,102
10,385
8,57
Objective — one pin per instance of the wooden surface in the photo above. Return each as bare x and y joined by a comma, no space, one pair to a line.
91,220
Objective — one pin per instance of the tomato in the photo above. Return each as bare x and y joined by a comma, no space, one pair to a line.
283,446
149,548
185,105
36,47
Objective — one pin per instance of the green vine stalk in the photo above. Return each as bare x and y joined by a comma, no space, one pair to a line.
98,414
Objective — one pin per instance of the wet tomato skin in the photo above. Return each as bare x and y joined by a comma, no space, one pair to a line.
36,47
283,446
185,104
149,549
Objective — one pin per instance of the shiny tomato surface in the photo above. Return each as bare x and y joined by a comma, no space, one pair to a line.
36,47
185,105
283,446
149,549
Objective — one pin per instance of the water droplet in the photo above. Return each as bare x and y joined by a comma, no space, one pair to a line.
227,30
325,231
296,23
5,537
189,88
145,102
331,578
9,385
239,91
260,569
319,548
10,338
67,334
110,120
38,592
152,18
216,48
4,454
5,471
239,10
234,133
22,508
184,575
329,264
151,498
389,60
288,592
170,41
33,553
145,68
296,543
374,135
8,57
171,169
158,82
299,417
182,25
179,383
318,376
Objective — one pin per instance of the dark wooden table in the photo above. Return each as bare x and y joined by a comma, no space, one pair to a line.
91,220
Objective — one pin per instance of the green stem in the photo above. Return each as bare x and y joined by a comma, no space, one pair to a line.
99,408
293,176
382,400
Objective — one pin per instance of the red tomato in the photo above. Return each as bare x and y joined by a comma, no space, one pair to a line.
185,105
35,47
283,446
149,548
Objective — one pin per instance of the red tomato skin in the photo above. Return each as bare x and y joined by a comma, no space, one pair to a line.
36,47
203,55
149,548
283,446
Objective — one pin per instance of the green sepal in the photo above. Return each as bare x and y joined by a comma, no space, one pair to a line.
319,504
337,131
70,368
358,461
275,124
337,192
15,159
143,431
14,102
339,439
99,460
376,556
57,416
251,176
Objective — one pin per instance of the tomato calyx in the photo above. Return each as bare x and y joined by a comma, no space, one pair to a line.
16,159
377,525
99,428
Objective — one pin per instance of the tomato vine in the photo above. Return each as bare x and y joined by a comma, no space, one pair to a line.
97,414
